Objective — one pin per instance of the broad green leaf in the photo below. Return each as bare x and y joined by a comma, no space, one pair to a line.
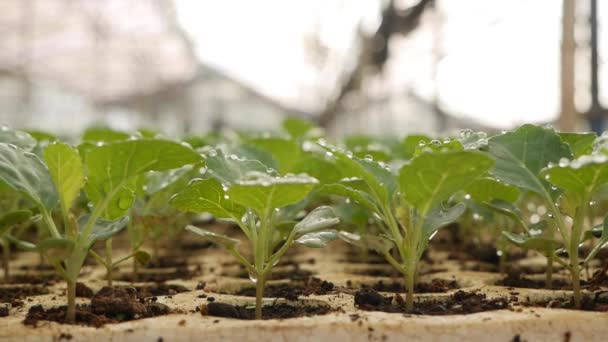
207,196
580,143
432,178
378,243
286,152
263,193
380,181
142,257
316,166
472,140
320,218
438,146
543,245
317,239
229,169
509,210
297,127
411,142
351,194
103,229
363,146
438,218
8,220
251,152
18,138
488,189
222,240
103,134
42,136
112,169
156,181
66,170
583,175
521,154
27,174
56,249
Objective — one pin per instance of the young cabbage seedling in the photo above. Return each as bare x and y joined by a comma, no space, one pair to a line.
257,200
411,205
8,221
538,160
111,173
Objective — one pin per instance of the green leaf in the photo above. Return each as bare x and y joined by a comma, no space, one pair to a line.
156,181
438,146
286,152
66,170
411,142
207,196
320,218
543,245
380,181
521,154
316,166
103,229
432,178
584,175
580,143
8,220
439,218
488,189
297,127
41,136
27,174
378,243
229,169
112,169
263,193
103,134
509,210
56,249
317,239
472,140
355,195
18,138
218,239
142,257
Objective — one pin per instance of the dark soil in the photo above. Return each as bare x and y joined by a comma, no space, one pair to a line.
16,294
41,278
375,271
516,279
598,303
109,305
296,274
460,303
37,267
434,286
159,277
167,262
288,291
276,311
83,291
160,289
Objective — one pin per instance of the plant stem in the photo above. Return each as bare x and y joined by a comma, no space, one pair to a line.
410,281
135,270
549,273
109,264
259,295
70,317
6,255
576,286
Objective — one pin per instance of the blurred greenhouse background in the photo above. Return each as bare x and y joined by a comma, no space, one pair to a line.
354,66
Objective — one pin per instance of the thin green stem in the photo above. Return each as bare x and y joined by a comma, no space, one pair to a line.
6,256
259,295
71,311
109,264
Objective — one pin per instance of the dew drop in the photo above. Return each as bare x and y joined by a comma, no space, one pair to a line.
212,153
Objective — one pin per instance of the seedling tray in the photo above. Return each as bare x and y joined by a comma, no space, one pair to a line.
215,278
